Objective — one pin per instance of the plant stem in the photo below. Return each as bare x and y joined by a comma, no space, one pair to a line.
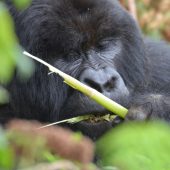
90,92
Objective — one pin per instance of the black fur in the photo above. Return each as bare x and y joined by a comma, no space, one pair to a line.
80,35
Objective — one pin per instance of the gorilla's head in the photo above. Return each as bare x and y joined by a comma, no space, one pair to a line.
95,41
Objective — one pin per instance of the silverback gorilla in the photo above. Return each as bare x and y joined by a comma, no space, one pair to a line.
99,43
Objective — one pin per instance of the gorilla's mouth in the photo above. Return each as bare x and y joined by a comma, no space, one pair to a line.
95,121
98,118
96,124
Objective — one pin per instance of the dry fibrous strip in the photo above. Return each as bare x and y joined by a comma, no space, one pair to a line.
91,118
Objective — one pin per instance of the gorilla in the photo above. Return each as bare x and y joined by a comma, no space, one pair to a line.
100,44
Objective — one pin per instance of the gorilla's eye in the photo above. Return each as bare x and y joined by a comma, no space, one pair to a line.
103,44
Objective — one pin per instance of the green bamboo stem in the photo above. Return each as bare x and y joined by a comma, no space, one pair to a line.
90,92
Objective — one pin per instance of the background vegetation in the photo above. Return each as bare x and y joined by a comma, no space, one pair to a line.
152,15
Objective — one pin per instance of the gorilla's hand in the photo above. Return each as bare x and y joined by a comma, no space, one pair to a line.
141,112
149,106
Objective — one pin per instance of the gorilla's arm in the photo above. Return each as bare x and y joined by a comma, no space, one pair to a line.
153,99
150,105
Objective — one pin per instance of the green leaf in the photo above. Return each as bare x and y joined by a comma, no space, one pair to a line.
25,66
136,146
7,45
49,157
6,66
22,4
4,96
10,52
6,154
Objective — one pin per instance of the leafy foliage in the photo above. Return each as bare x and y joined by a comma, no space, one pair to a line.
136,146
10,52
154,17
4,96
6,154
10,57
21,4
8,45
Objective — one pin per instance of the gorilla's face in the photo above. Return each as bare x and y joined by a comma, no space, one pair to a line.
98,37
98,72
95,41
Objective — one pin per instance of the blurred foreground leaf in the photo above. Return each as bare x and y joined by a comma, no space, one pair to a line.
22,4
10,52
6,154
4,96
7,45
136,146
28,151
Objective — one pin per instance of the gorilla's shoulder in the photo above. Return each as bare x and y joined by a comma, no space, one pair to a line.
157,48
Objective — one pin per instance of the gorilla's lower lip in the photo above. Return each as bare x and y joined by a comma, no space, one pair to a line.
94,130
93,124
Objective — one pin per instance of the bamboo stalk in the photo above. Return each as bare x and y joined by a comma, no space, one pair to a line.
90,92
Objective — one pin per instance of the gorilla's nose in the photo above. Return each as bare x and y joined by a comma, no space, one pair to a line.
103,80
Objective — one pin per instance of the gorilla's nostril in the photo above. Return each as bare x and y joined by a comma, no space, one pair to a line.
103,80
110,84
93,84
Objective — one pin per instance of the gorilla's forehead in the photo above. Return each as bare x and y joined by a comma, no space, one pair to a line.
86,14
89,21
